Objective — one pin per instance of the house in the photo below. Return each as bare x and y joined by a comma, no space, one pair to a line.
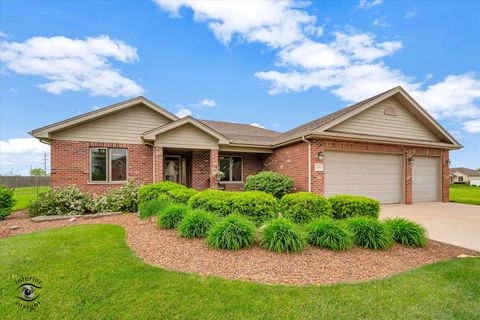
386,147
465,176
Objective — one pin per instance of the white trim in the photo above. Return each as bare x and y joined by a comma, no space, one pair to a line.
108,167
230,168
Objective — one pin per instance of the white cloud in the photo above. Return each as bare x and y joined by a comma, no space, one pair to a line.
362,46
380,22
182,113
472,126
17,155
3,34
73,64
257,125
207,103
275,23
411,14
311,54
366,4
13,90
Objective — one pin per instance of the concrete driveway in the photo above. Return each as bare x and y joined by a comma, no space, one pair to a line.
453,223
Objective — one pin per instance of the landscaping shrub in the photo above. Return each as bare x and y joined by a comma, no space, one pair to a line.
407,232
348,206
282,235
61,201
270,182
257,206
6,201
302,207
328,233
169,217
153,207
182,195
196,224
233,232
214,201
370,233
152,191
123,199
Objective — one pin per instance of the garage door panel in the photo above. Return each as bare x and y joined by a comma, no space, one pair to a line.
372,175
426,179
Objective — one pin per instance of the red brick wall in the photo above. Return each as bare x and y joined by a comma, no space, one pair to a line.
200,169
252,164
291,160
70,164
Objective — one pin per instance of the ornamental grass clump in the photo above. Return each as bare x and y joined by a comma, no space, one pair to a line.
328,233
370,233
153,207
196,224
282,235
303,207
233,232
407,232
170,217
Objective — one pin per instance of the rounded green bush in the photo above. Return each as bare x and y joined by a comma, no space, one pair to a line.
214,201
270,182
153,207
328,233
153,190
196,224
6,201
303,207
233,232
282,235
181,195
348,206
407,232
257,206
171,216
370,233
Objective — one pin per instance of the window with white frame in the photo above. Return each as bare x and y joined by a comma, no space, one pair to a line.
460,178
108,164
232,168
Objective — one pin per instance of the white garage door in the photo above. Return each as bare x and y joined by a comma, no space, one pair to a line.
378,176
426,179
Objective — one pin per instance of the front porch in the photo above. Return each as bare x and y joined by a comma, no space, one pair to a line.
198,169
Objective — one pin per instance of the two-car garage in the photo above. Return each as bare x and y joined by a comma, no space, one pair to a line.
381,176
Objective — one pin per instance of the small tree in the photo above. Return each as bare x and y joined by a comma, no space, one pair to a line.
37,172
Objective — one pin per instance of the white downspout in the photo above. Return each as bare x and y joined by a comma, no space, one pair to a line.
309,163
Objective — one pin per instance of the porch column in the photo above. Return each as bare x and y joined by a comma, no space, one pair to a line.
157,163
213,168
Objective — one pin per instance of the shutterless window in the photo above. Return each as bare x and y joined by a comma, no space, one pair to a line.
232,167
108,164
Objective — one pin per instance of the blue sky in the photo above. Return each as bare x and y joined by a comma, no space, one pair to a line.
277,64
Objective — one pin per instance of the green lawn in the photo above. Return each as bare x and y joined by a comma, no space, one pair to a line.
89,272
465,194
25,195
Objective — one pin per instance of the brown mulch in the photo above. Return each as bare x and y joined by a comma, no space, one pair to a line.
164,248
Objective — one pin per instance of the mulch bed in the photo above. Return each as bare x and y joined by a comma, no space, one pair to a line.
164,248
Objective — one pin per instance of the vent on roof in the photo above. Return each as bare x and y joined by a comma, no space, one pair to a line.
390,111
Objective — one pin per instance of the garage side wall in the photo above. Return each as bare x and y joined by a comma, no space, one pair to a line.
292,160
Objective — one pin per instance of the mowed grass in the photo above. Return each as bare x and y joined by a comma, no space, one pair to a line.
89,272
25,195
465,194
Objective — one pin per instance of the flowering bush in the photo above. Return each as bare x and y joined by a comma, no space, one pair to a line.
123,199
61,201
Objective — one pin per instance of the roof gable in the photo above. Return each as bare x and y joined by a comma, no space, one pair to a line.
46,131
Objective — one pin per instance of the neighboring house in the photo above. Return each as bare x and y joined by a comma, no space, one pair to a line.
465,175
386,147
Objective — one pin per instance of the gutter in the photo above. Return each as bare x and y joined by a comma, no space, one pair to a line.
309,163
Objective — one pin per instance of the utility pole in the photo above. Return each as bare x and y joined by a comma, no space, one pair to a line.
45,161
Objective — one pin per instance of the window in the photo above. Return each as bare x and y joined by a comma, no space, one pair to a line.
108,165
460,178
232,167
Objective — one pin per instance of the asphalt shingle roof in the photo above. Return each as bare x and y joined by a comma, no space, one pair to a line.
465,171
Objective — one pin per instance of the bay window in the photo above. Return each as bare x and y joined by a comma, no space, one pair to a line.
108,165
232,167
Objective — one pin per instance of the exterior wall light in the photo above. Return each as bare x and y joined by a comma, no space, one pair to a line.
320,155
411,160
448,162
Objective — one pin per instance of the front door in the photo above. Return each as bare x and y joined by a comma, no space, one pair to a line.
174,169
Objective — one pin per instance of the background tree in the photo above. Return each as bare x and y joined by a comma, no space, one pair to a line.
37,172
